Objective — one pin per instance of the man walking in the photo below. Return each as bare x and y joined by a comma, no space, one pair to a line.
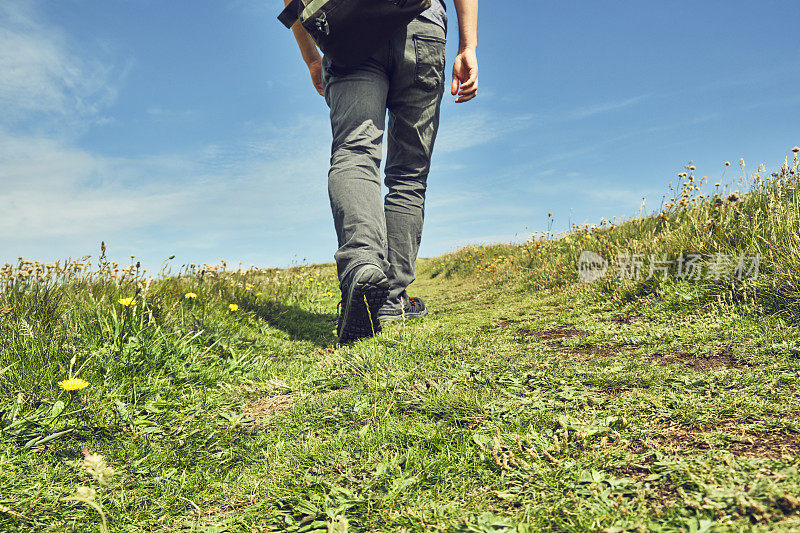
378,241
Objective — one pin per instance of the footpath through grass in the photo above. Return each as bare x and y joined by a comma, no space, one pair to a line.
526,401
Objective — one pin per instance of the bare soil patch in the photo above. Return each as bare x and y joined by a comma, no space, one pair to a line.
741,443
263,408
596,351
766,444
723,359
556,336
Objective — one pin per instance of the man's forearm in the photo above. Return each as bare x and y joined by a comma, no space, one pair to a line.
467,11
308,49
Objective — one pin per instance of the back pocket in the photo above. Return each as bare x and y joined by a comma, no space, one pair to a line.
430,62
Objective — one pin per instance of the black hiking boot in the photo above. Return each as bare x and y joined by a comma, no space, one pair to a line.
358,319
413,307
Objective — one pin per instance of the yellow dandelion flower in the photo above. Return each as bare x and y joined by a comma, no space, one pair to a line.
125,302
190,296
73,384
258,294
727,163
796,149
233,307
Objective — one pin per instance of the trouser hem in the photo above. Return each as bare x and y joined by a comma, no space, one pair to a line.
358,263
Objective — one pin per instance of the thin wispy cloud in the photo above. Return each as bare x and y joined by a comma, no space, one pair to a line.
54,189
470,129
40,78
599,109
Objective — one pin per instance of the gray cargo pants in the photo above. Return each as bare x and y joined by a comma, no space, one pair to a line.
405,77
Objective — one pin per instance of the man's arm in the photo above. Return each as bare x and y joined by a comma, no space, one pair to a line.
308,49
465,67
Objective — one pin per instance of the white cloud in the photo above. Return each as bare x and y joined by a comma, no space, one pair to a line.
38,74
51,189
52,192
597,109
471,129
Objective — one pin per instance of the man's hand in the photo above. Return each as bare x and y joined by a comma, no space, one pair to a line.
465,76
315,69
309,52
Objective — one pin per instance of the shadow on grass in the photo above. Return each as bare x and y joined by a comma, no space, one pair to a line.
300,324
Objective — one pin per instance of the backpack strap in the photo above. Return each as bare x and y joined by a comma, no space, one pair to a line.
291,14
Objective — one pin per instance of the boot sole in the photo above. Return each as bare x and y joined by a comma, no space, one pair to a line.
358,320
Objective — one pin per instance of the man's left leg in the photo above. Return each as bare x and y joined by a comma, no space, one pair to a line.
357,99
414,100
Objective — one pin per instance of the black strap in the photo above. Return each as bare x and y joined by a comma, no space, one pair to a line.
292,12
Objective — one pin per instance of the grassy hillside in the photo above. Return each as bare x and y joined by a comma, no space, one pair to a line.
216,400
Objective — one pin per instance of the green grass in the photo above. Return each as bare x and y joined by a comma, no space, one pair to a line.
526,400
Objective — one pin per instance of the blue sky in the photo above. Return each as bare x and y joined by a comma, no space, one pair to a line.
191,127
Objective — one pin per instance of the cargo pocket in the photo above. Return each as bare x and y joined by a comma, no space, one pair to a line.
430,62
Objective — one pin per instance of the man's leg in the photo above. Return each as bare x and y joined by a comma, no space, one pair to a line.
357,99
414,100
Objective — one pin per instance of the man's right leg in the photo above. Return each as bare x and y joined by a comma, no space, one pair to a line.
357,99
